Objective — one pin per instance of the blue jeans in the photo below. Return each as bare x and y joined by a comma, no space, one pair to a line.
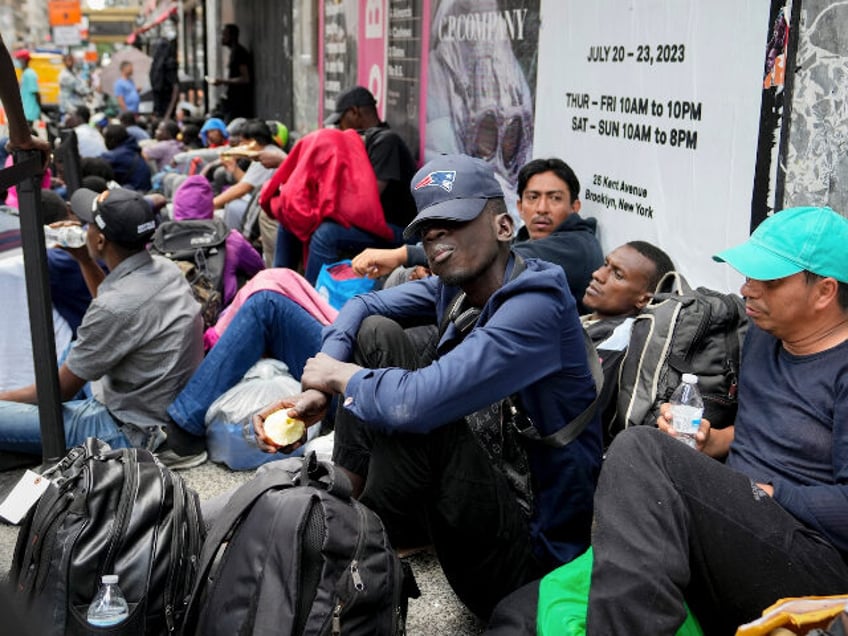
288,251
330,243
267,324
20,430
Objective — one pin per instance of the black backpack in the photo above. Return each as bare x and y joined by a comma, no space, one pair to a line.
682,330
300,557
198,246
109,512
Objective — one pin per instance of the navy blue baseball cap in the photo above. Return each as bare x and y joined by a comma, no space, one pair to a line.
452,188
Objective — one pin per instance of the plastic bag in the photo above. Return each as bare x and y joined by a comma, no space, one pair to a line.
564,598
230,416
337,283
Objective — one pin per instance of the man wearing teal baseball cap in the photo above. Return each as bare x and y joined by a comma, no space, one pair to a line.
675,525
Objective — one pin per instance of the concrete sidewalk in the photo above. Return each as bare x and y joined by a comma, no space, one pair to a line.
437,612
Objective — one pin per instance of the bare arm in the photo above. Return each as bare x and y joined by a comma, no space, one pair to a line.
327,375
243,76
173,103
232,193
375,262
69,385
91,271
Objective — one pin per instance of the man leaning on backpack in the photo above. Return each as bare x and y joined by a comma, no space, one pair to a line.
673,525
421,439
619,290
141,335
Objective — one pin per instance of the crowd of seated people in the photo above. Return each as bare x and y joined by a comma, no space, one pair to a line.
503,312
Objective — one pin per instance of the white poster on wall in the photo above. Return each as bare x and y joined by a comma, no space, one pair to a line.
656,106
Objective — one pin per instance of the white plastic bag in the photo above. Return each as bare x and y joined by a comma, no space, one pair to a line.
228,420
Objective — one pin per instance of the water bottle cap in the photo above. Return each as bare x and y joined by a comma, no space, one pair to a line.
109,579
690,378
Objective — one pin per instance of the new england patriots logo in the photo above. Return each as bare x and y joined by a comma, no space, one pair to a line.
440,178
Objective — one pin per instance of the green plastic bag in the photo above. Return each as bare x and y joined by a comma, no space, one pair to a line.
564,598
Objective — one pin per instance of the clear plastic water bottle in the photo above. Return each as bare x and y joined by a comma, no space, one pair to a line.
109,606
687,408
64,235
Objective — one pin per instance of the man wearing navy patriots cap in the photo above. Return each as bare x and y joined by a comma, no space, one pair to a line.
141,335
423,440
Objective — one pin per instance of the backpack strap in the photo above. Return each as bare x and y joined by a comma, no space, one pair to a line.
464,318
326,476
371,135
237,507
731,340
571,431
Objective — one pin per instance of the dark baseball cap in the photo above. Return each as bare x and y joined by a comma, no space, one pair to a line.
356,96
452,188
123,216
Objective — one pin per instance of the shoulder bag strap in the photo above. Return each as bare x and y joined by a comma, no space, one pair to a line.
464,318
571,431
238,505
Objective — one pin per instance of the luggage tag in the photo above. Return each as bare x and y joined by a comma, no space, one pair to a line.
23,496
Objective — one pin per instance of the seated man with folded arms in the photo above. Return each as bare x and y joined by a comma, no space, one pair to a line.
422,439
673,525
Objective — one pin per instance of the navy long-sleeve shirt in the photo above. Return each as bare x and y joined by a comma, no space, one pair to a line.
792,430
528,340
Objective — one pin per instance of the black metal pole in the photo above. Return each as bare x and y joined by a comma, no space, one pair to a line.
40,313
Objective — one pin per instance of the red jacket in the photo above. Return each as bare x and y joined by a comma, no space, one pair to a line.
327,176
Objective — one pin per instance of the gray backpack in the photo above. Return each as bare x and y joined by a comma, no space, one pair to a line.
682,330
295,555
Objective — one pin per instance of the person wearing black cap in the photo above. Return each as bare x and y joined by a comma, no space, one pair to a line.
500,511
141,335
394,167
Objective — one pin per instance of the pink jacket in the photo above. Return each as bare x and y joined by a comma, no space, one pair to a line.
12,193
283,281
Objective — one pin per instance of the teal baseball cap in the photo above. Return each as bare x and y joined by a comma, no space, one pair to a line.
791,241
